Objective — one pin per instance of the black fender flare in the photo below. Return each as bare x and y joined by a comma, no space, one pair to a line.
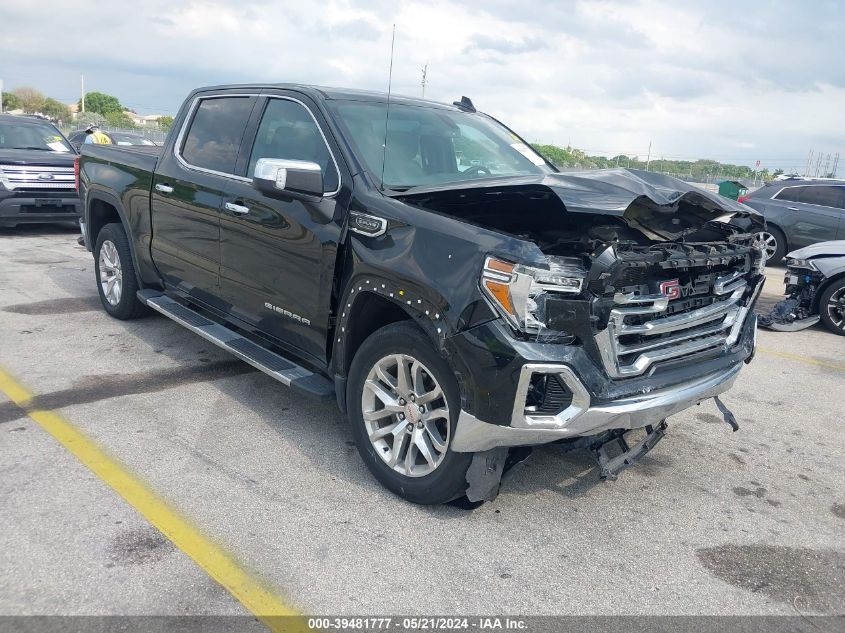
113,201
411,298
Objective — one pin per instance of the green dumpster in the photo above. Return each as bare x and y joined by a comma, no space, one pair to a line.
732,189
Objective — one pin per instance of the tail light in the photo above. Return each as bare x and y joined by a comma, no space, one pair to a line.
743,199
76,173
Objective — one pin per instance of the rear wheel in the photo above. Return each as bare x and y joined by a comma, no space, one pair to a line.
832,307
775,242
403,406
115,274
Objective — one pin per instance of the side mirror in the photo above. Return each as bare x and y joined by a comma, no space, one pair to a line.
279,175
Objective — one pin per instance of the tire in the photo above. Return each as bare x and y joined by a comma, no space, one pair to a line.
113,260
832,316
434,481
775,242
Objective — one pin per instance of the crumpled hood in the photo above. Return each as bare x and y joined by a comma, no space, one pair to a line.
834,248
603,191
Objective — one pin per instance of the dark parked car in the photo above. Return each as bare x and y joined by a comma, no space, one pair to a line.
799,212
815,290
458,314
36,173
77,139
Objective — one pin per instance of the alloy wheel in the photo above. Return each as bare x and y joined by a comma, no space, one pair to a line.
770,243
406,416
111,273
836,308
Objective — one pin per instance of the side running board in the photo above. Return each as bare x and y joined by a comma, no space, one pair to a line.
272,364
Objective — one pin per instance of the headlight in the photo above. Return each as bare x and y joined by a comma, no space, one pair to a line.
4,180
518,292
801,263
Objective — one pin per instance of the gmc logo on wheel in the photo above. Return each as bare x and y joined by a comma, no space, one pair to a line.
671,288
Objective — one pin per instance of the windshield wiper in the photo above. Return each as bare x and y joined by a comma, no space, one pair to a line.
43,149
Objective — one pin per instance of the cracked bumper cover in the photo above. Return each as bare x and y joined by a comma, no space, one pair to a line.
495,415
472,434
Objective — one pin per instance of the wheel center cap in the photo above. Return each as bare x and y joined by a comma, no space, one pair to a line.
412,412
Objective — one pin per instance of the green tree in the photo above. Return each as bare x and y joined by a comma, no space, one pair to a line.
31,100
56,110
165,123
84,119
119,119
11,101
557,156
101,103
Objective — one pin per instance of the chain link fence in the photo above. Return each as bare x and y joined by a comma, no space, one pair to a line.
153,133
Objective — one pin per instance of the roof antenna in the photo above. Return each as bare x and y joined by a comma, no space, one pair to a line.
387,113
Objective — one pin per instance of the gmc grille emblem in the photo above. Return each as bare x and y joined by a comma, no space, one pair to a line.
671,289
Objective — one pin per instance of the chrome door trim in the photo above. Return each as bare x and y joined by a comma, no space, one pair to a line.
269,95
189,117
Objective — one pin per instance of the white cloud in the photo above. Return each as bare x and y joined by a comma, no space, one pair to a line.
714,79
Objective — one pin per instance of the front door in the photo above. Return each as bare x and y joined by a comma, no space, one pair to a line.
813,212
278,253
188,191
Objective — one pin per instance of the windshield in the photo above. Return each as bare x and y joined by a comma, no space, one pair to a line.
130,139
432,146
37,136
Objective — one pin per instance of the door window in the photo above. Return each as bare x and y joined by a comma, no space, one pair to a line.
790,194
825,196
216,132
288,131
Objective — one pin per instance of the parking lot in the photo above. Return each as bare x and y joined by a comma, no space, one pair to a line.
711,522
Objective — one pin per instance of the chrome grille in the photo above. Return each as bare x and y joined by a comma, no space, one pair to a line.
37,177
640,333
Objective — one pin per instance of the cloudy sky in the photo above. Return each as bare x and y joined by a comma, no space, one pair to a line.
726,80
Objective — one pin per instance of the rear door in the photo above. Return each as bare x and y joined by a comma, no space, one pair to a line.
188,190
813,212
278,253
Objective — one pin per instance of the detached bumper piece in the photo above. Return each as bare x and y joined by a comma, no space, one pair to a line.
624,455
788,316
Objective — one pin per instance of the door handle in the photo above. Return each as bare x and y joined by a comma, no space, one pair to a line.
236,208
792,208
164,188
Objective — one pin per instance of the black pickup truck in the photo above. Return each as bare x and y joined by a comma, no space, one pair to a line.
36,173
459,297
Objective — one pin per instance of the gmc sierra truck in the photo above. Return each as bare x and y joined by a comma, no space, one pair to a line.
419,262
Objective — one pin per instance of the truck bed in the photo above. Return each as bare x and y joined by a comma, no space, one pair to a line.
142,157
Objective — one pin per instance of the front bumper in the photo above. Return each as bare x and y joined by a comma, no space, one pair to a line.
580,418
28,208
495,373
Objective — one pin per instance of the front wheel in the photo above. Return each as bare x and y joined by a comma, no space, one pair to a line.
774,242
832,307
403,404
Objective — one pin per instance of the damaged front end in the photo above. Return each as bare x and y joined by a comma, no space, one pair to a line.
814,290
635,259
630,299
797,311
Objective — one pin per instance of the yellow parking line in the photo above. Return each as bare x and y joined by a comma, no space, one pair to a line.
801,359
210,557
